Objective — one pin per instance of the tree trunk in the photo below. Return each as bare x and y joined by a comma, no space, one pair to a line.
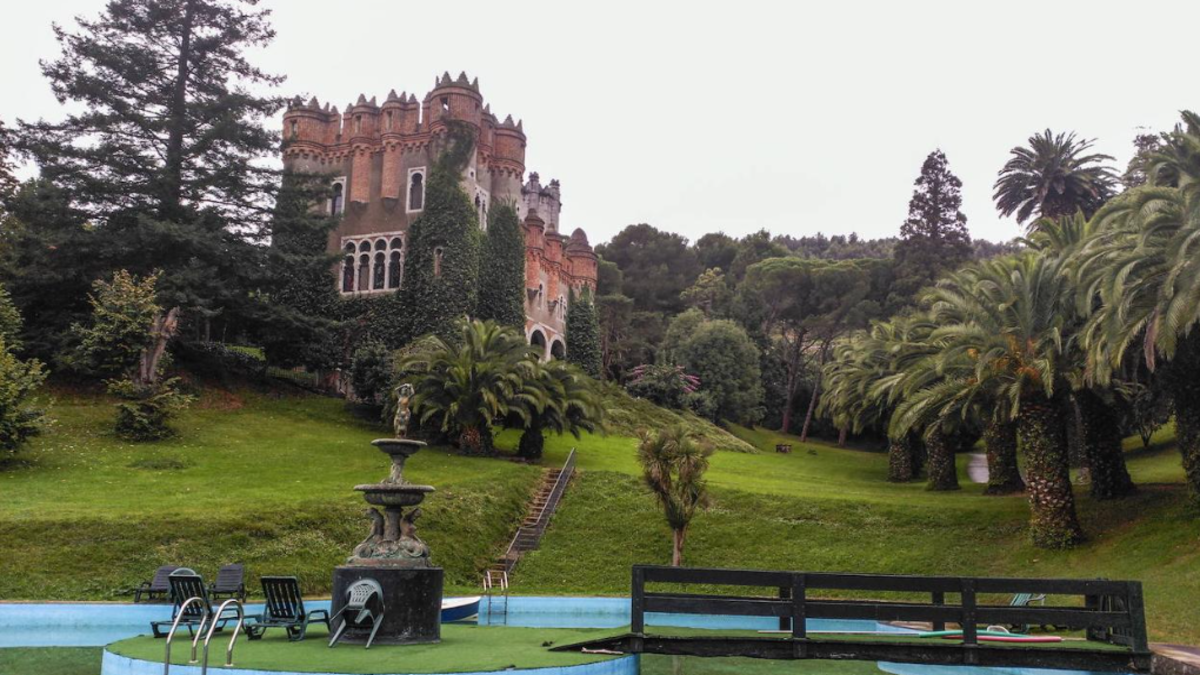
1053,522
795,358
1000,438
1102,449
164,328
1184,380
677,546
533,441
816,393
842,437
943,474
900,460
177,123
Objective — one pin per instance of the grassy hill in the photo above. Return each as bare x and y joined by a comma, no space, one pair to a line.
264,478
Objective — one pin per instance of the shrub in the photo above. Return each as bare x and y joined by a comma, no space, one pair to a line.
372,372
18,380
664,385
147,409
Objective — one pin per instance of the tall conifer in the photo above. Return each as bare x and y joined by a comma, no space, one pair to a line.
583,333
502,270
933,239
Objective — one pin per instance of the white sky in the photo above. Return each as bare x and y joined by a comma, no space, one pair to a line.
703,116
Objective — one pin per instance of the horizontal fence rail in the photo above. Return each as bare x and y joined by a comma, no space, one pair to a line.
1111,611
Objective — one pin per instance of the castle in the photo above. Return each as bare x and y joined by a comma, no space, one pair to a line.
378,157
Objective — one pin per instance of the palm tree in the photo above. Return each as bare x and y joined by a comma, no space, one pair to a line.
1053,177
1140,280
673,466
1006,319
558,397
467,385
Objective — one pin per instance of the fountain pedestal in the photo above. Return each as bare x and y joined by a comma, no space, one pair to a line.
396,559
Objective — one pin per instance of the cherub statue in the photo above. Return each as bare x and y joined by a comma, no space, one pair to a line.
369,545
400,422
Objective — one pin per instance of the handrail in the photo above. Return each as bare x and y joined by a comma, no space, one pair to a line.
175,626
241,617
543,515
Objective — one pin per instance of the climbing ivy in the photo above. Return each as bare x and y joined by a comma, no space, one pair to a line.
441,276
583,333
502,272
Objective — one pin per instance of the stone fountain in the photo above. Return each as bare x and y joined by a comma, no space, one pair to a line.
393,556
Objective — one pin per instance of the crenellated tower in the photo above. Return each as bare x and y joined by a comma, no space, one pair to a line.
378,158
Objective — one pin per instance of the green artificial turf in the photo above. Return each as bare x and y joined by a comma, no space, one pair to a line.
463,649
50,661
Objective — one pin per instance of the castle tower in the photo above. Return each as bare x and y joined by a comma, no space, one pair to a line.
378,158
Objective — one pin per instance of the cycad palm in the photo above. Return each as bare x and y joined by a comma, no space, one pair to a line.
1140,276
1004,340
466,385
557,397
1053,177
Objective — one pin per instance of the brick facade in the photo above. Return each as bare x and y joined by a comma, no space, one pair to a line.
378,158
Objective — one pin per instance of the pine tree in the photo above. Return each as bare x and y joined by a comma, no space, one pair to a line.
161,150
441,277
933,239
299,299
502,278
583,333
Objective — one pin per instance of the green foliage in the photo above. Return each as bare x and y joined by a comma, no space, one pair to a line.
20,418
657,266
372,372
934,238
10,322
682,327
663,384
502,276
1052,177
673,467
583,334
558,397
147,409
120,330
464,386
441,275
722,355
709,294
297,308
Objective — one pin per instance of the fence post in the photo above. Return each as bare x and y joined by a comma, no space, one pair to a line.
939,598
970,636
799,616
1137,618
637,618
785,622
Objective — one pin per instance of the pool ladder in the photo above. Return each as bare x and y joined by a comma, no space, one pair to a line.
496,581
212,620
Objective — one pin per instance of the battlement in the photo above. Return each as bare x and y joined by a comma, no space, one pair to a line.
404,120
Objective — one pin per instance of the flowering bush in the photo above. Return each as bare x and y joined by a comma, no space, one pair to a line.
665,385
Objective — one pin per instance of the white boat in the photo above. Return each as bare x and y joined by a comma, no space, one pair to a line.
458,609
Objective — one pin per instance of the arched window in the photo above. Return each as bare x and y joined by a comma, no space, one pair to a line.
295,128
394,269
437,261
364,266
557,351
416,192
541,295
335,202
348,270
377,280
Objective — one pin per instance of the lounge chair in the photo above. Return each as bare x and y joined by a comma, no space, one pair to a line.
284,608
196,616
157,588
230,583
1026,600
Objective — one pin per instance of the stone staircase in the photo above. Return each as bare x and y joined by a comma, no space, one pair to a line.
529,534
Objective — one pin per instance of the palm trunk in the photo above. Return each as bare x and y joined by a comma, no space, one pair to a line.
1004,477
1040,430
900,460
1102,449
533,440
842,437
678,537
1184,380
943,474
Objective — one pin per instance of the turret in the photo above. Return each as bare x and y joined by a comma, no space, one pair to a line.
310,124
581,260
454,99
508,147
535,243
361,128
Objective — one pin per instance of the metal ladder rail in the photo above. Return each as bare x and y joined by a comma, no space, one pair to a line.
175,626
490,586
212,627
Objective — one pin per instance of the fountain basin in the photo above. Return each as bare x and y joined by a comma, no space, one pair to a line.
390,494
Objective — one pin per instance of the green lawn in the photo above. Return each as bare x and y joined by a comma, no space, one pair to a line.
255,477
50,661
265,478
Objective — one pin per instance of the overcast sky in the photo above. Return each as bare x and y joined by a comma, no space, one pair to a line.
734,116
